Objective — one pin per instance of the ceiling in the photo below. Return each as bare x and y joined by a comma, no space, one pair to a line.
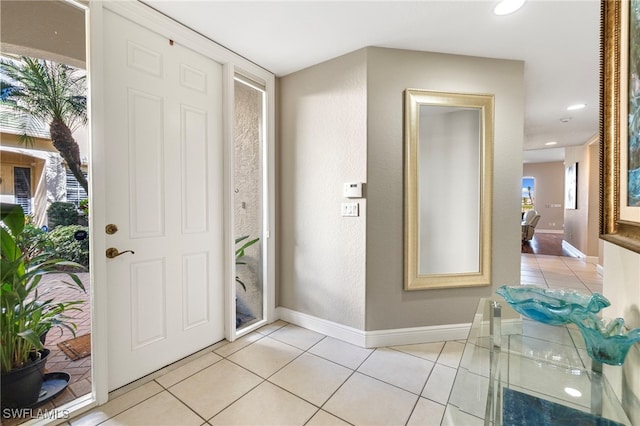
557,40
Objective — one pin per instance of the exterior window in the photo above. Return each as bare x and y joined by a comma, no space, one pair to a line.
75,192
528,193
22,187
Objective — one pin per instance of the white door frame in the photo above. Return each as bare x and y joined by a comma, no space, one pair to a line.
232,64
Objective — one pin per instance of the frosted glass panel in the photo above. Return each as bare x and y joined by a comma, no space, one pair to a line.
248,213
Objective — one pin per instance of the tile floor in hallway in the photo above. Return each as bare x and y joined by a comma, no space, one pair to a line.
287,375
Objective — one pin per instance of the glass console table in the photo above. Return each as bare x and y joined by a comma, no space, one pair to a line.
515,371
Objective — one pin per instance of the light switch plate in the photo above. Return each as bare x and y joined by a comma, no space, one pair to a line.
350,210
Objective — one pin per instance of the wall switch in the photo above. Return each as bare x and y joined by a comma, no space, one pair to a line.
350,210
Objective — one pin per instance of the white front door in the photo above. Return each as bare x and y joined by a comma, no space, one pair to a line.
164,156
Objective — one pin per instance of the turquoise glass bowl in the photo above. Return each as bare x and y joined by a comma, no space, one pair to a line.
606,341
551,306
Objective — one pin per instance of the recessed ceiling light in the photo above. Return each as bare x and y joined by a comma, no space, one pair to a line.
551,143
576,106
506,7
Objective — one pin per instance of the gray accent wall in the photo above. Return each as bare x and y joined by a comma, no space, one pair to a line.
342,121
390,72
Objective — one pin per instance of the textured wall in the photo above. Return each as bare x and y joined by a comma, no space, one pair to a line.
389,73
248,202
322,145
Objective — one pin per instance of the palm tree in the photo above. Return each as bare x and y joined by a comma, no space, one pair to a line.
49,93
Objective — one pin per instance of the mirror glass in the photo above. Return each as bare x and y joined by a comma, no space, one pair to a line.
448,151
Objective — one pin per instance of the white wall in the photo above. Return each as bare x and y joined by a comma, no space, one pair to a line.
621,285
581,224
322,144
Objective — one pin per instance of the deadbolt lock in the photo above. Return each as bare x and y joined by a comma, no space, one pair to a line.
111,229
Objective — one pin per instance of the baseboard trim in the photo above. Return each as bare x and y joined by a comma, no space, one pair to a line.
409,336
376,338
550,231
319,325
577,253
572,250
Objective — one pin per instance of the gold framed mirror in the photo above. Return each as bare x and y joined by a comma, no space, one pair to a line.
448,143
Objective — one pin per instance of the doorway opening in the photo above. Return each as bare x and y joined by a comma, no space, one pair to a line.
38,176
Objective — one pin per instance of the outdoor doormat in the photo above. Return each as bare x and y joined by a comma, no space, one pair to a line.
77,348
521,409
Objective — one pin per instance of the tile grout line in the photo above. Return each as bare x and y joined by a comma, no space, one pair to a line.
573,274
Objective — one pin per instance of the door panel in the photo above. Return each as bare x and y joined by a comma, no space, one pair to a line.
165,193
196,277
148,303
146,164
194,167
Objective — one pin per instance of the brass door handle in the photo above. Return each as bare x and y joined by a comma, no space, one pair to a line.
113,252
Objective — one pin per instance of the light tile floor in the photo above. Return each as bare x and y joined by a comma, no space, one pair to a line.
287,375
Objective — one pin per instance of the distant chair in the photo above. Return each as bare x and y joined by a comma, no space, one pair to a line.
528,216
529,228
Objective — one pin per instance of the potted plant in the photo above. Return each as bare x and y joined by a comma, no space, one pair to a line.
240,253
27,312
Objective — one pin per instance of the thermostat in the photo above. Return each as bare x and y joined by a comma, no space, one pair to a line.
352,190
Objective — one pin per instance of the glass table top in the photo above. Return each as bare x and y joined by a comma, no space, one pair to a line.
529,369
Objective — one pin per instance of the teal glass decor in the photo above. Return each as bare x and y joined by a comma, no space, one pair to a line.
551,306
606,341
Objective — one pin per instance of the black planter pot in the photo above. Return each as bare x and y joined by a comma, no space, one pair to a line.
21,387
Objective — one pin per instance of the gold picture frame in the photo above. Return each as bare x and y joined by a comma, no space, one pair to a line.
619,212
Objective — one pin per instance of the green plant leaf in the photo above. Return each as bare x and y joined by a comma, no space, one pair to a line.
26,311
12,216
31,337
240,252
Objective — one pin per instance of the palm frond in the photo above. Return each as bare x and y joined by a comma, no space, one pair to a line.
44,89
